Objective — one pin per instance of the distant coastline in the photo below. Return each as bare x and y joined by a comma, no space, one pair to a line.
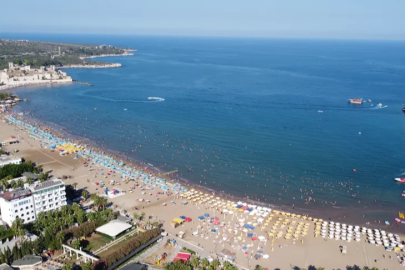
89,65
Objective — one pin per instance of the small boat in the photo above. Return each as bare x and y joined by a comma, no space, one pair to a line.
400,179
369,100
403,109
357,101
403,194
379,105
125,109
320,111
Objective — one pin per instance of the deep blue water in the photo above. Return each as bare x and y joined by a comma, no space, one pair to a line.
241,115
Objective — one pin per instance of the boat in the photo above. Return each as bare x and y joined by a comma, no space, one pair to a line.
320,111
369,100
379,105
403,109
400,179
358,101
403,194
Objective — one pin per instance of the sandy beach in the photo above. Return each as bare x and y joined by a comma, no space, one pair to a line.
306,250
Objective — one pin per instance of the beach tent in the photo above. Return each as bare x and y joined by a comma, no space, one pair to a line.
201,217
178,220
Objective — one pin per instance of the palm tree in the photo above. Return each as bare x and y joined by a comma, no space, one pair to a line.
142,215
103,202
13,184
194,261
30,181
43,177
42,219
76,208
93,197
18,227
215,264
74,185
4,183
38,169
204,263
20,183
85,194
60,237
76,244
136,216
155,224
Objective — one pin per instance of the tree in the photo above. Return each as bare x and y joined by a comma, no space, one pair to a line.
38,169
204,263
18,227
215,264
42,177
85,266
4,183
76,244
30,181
155,224
20,183
13,184
60,238
103,202
142,215
177,265
194,261
74,185
67,267
85,194
136,216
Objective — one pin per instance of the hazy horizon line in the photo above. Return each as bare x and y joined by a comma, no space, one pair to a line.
204,36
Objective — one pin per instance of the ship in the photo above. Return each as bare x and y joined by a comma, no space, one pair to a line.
400,179
356,101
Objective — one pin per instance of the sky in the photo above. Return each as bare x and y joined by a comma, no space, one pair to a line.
336,19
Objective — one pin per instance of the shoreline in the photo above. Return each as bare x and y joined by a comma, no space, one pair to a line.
332,212
105,65
351,215
13,87
283,252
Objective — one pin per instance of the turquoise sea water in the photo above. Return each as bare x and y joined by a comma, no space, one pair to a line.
241,115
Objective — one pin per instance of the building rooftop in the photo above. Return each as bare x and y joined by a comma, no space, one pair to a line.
27,260
134,266
31,175
113,228
16,194
47,184
5,266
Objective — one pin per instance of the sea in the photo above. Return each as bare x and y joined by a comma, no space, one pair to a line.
261,119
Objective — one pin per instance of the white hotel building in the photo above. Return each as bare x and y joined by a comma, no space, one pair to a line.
27,203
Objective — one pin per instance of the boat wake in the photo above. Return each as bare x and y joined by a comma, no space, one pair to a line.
157,99
150,99
379,106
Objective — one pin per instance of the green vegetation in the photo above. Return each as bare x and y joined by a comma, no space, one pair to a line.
192,252
38,54
4,95
96,241
16,170
126,248
6,233
195,263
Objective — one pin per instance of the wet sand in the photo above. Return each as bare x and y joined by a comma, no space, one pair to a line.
313,251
